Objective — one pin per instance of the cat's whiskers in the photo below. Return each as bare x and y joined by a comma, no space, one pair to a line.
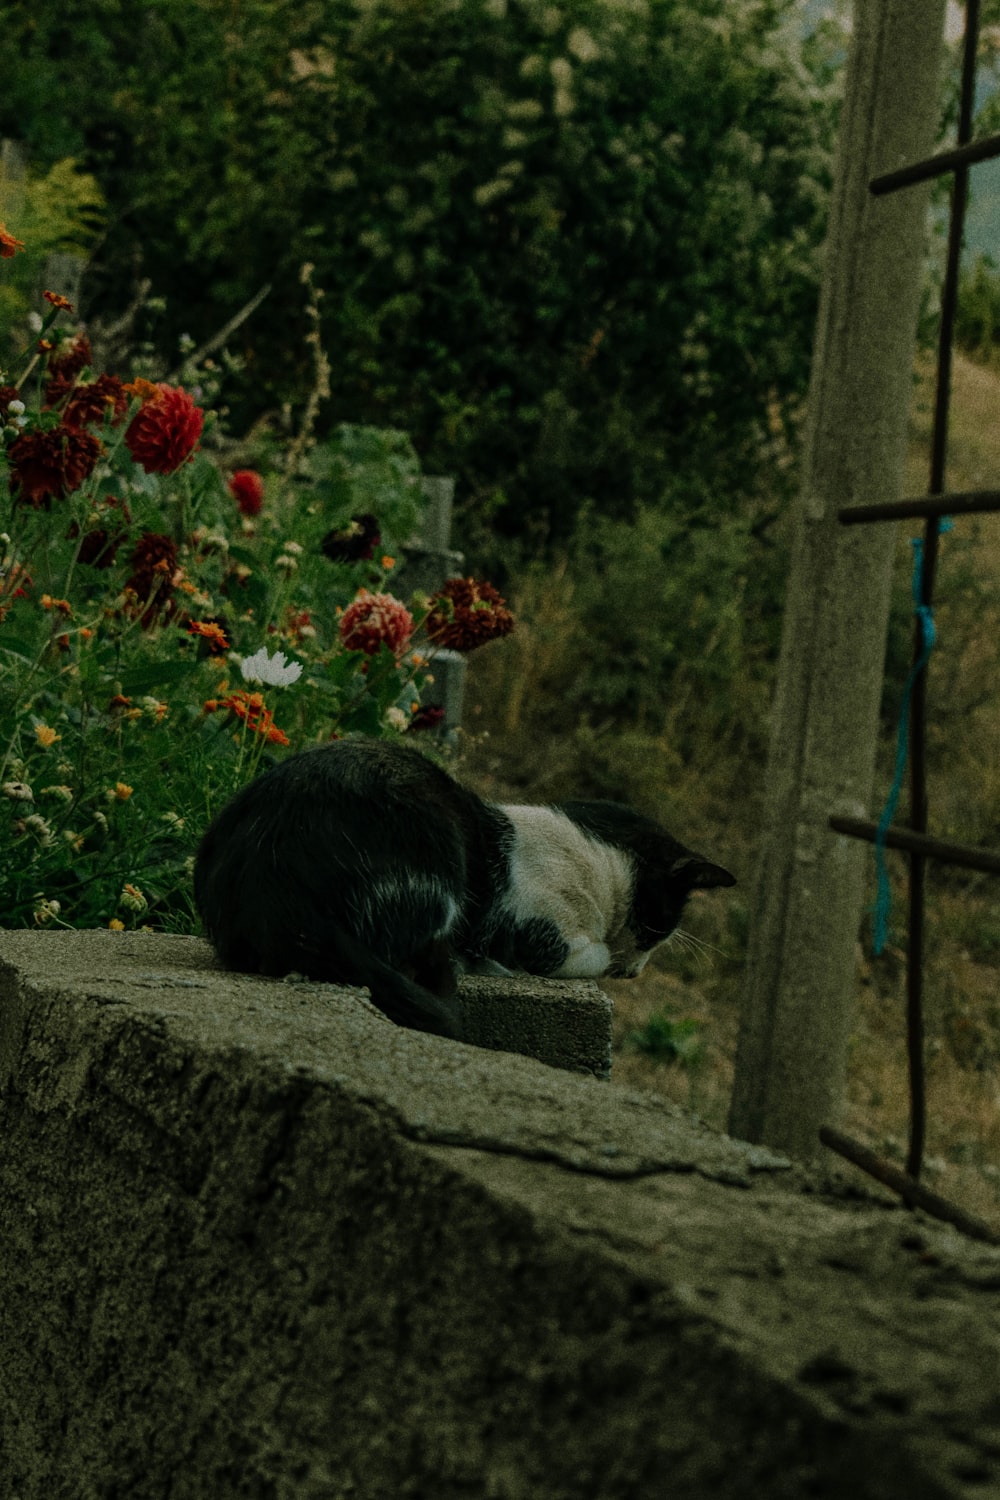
695,945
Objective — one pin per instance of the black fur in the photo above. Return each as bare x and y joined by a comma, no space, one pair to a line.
361,862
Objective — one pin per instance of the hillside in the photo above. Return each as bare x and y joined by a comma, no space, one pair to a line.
676,1026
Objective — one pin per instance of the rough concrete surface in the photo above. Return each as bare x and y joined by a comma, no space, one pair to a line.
256,1241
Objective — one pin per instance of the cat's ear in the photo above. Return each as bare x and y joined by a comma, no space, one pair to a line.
698,874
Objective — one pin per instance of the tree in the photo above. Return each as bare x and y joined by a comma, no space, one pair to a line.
568,246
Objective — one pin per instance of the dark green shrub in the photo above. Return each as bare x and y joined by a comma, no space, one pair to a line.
568,247
977,323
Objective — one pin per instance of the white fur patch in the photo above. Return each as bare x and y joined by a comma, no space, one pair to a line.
585,960
582,885
387,897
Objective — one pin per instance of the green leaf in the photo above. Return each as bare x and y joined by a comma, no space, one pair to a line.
15,647
156,675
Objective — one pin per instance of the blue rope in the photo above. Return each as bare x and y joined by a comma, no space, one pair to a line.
928,635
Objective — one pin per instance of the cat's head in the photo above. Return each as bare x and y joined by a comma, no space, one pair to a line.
665,874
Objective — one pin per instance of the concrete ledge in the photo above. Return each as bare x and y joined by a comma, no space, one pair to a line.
563,1022
256,1241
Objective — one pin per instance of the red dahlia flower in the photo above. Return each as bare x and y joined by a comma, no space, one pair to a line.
374,618
67,360
165,432
47,465
89,402
467,613
247,489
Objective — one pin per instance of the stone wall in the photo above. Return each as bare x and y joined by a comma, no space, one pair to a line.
256,1241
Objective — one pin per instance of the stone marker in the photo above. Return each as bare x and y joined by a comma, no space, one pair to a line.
429,561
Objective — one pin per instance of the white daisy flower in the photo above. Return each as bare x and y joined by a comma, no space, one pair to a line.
270,671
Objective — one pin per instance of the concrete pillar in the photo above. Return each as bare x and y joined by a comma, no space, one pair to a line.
791,1063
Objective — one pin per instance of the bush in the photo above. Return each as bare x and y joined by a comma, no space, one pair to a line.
569,247
58,211
977,321
164,631
662,634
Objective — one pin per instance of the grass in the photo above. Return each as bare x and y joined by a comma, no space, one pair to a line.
514,750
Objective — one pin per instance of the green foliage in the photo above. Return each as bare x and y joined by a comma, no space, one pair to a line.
59,210
127,710
663,632
680,619
977,321
568,247
667,1040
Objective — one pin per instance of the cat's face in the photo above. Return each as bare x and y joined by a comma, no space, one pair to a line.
664,875
662,886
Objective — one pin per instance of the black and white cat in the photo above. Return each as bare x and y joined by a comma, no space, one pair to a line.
362,862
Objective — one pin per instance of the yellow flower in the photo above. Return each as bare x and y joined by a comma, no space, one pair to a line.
116,926
120,792
46,736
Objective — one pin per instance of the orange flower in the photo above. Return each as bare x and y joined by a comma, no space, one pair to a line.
58,301
212,633
9,246
62,605
250,709
46,736
144,389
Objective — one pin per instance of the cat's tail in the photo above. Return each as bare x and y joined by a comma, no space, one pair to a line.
342,958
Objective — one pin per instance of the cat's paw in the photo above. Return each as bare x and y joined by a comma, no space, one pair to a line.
489,968
585,959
